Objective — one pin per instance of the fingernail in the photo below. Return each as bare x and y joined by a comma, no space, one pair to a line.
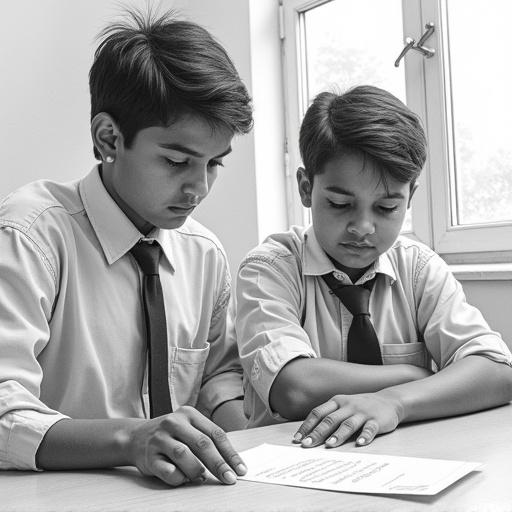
307,442
199,479
241,469
361,440
229,477
298,437
331,440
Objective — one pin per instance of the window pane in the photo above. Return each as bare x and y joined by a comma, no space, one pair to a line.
354,42
479,46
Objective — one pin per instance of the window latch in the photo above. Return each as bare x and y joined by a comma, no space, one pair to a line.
410,44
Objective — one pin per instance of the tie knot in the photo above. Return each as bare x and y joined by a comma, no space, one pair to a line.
355,299
148,256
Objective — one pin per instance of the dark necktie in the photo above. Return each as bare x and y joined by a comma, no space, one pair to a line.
362,342
148,256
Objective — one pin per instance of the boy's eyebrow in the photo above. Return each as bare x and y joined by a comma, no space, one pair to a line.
184,149
340,190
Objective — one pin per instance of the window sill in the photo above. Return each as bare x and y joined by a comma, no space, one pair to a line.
482,271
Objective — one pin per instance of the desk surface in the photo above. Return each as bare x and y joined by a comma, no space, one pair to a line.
482,437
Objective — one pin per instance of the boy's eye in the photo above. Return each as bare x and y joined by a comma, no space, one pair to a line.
173,163
339,206
215,163
388,209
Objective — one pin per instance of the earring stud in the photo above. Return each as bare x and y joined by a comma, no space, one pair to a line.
109,159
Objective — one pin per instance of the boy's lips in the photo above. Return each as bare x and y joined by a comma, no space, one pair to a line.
182,210
357,245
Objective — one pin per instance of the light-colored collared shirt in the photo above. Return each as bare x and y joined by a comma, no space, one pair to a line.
285,310
72,337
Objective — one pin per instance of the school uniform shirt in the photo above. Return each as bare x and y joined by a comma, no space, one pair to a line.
285,310
72,336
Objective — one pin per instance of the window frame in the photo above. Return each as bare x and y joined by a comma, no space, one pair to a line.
484,243
427,92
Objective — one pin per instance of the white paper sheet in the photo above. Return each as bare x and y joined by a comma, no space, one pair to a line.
335,470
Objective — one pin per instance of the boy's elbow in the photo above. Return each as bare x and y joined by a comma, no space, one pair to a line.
289,401
501,377
507,379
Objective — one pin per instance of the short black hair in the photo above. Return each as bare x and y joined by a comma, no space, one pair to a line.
365,120
149,70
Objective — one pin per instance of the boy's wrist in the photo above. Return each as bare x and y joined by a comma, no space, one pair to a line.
125,440
396,399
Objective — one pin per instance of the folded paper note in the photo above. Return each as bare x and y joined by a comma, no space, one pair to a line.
335,470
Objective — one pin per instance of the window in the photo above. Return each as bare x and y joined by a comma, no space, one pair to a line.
463,208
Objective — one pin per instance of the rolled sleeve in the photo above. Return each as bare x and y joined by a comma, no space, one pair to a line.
452,328
492,347
269,361
24,421
269,333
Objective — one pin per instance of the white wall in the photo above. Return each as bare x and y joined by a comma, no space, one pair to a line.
493,299
47,49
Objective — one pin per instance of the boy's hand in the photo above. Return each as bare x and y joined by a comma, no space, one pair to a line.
179,446
342,416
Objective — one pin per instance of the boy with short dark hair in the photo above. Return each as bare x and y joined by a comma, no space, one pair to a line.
339,322
99,275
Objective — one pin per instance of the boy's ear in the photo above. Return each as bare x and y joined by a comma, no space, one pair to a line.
105,135
305,187
411,193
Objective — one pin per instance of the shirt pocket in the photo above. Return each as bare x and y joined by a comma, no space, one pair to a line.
186,374
405,353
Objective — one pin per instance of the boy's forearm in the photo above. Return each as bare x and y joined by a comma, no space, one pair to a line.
471,384
305,383
176,447
86,444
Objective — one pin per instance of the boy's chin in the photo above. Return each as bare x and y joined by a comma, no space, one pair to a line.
357,261
353,266
172,223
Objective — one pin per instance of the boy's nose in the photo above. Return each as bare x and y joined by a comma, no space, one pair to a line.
361,227
197,185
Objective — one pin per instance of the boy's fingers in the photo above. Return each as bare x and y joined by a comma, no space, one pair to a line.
168,472
227,451
323,430
348,427
211,446
182,457
370,430
221,441
313,419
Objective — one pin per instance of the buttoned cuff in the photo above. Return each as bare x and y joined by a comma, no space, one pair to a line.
490,346
24,431
269,361
218,389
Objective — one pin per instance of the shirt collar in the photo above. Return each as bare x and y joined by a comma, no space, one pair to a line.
115,231
317,263
384,266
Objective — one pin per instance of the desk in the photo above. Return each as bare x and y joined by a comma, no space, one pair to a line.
482,437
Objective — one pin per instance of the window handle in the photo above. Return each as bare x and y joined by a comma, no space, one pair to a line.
410,44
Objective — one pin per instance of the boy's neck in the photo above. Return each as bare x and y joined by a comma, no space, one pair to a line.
353,273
